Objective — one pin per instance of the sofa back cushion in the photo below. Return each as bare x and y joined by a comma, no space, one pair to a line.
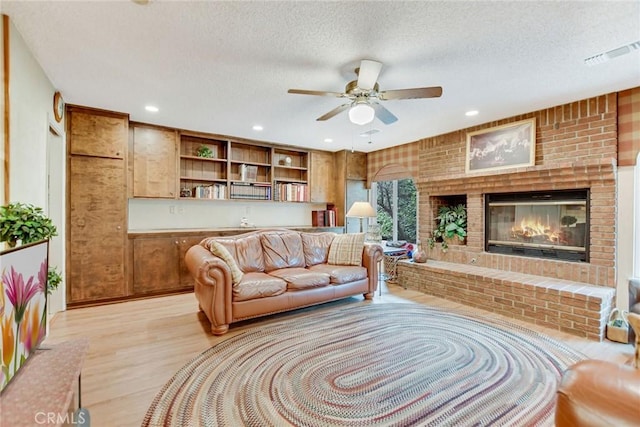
346,249
281,249
249,253
316,247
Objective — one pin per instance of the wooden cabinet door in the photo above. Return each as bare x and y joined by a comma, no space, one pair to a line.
323,179
154,162
356,165
97,229
186,280
97,134
156,265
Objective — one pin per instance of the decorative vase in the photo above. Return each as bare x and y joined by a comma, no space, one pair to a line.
419,255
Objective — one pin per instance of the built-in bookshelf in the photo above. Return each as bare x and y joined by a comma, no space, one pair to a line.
290,175
203,167
225,169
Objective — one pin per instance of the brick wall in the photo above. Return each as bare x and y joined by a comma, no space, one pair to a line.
576,147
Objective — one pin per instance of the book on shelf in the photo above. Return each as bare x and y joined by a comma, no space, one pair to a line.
324,218
250,191
213,191
291,192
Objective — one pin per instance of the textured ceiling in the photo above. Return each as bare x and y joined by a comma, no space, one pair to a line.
222,67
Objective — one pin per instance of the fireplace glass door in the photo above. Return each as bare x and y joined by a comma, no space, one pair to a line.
544,225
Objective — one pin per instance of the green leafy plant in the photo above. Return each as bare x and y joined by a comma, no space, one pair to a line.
451,224
54,278
24,223
204,151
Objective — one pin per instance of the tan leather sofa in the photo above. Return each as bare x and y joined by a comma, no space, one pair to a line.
596,393
599,393
282,270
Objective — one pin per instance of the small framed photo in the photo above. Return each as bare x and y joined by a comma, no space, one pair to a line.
502,147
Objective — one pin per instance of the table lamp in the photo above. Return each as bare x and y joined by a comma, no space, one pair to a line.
361,210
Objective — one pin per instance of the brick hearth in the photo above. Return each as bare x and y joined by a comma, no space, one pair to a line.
563,305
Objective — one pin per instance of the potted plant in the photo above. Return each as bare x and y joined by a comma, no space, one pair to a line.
451,224
22,223
204,151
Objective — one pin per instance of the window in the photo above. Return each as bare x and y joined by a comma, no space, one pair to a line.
396,203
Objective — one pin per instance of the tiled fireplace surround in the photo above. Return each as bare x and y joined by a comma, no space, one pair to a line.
576,148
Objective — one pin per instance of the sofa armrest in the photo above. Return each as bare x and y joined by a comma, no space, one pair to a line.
213,286
371,257
598,393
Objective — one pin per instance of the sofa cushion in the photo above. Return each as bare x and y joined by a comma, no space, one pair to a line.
341,273
346,249
301,278
281,249
219,250
249,253
258,285
316,247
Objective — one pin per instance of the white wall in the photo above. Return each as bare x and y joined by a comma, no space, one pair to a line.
625,234
31,112
148,214
2,106
31,102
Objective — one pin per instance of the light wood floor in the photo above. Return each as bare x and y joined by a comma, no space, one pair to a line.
137,346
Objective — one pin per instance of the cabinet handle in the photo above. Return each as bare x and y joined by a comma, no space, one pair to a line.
177,243
119,227
81,223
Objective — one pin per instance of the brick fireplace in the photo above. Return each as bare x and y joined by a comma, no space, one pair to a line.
576,152
538,224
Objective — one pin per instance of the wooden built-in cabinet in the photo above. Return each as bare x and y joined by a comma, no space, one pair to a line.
97,133
154,161
97,205
158,264
322,179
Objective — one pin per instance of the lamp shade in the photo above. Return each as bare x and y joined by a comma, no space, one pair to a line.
361,114
361,210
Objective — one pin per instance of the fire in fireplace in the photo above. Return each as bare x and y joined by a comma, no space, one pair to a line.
551,224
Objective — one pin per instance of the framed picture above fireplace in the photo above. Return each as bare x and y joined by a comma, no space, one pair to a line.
502,147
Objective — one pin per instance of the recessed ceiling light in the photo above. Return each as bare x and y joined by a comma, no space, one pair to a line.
369,133
257,127
151,108
328,140
471,113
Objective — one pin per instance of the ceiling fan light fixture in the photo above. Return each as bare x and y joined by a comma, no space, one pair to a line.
361,113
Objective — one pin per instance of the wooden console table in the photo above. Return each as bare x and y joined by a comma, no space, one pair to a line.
42,392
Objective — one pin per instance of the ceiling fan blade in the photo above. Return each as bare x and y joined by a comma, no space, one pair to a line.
419,92
317,92
368,74
383,114
334,112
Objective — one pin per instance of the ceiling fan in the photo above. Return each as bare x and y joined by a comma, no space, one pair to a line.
363,95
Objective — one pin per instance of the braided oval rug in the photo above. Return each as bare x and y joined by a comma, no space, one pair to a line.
370,365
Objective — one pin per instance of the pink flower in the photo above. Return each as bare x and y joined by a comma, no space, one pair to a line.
42,277
19,292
